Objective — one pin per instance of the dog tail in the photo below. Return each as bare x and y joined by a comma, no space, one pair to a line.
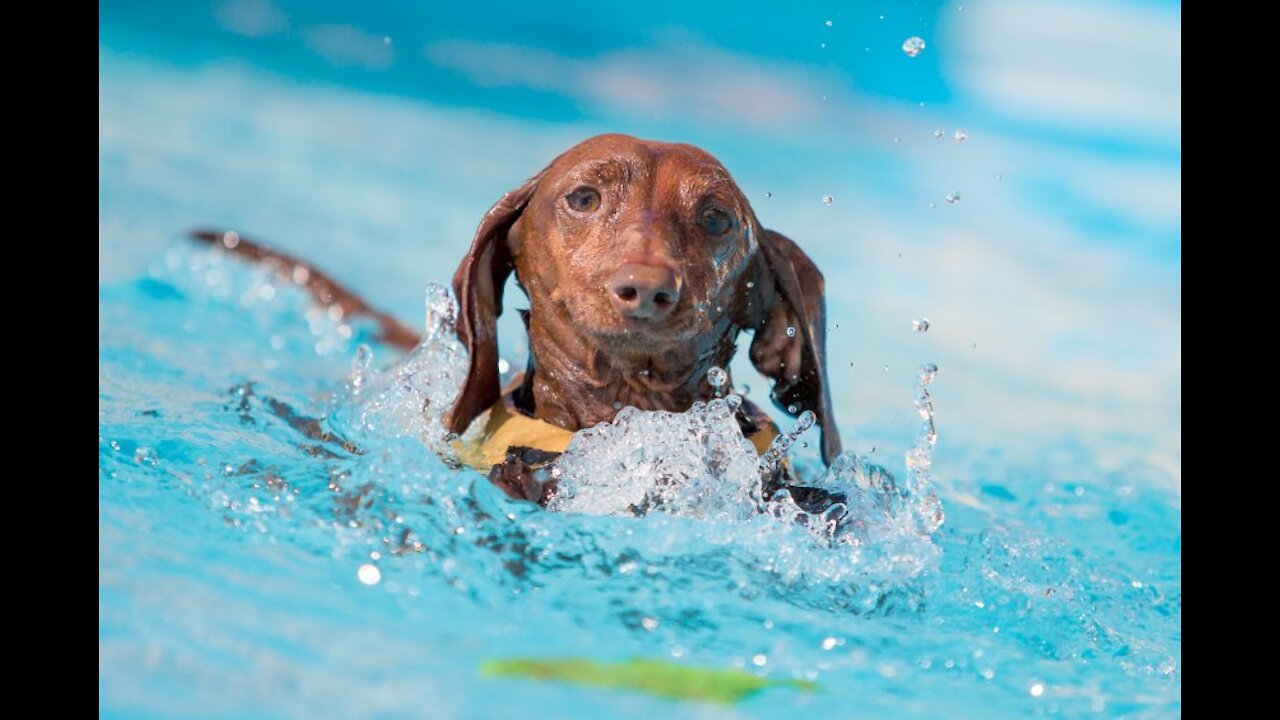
324,290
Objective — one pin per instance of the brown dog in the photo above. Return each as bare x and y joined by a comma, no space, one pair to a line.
642,262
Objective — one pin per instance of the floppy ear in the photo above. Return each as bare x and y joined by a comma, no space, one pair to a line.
478,285
790,344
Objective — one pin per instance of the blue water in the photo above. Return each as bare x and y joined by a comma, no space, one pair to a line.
237,540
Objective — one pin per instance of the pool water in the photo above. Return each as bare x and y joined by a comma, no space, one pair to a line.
283,530
277,536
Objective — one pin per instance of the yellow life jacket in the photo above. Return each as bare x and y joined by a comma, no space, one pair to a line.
503,426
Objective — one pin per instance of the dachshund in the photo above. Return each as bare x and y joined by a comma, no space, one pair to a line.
642,261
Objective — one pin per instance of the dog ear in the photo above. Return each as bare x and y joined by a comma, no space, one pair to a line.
790,344
478,285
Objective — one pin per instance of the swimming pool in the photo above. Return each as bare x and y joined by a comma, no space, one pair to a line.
278,537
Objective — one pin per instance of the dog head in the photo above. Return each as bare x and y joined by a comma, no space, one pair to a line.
638,246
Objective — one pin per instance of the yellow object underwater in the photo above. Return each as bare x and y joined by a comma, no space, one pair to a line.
652,677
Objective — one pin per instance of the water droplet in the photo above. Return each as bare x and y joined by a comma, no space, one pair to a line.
961,136
804,421
913,46
750,284
386,39
973,346
301,274
791,332
886,368
827,199
881,17
939,133
1037,689
718,379
649,623
369,574
230,239
952,197
933,206
828,643
897,139
921,325
503,365
759,660
768,194
792,409
828,23
1000,176
823,46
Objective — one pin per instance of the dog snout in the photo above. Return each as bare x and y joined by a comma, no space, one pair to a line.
645,291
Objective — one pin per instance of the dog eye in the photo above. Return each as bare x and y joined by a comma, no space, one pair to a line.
715,221
584,199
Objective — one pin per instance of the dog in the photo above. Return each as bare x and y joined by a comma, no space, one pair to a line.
642,261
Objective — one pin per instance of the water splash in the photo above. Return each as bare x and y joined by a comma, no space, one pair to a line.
781,445
919,458
410,398
695,464
698,465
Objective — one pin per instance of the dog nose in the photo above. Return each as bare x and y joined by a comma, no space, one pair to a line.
645,291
